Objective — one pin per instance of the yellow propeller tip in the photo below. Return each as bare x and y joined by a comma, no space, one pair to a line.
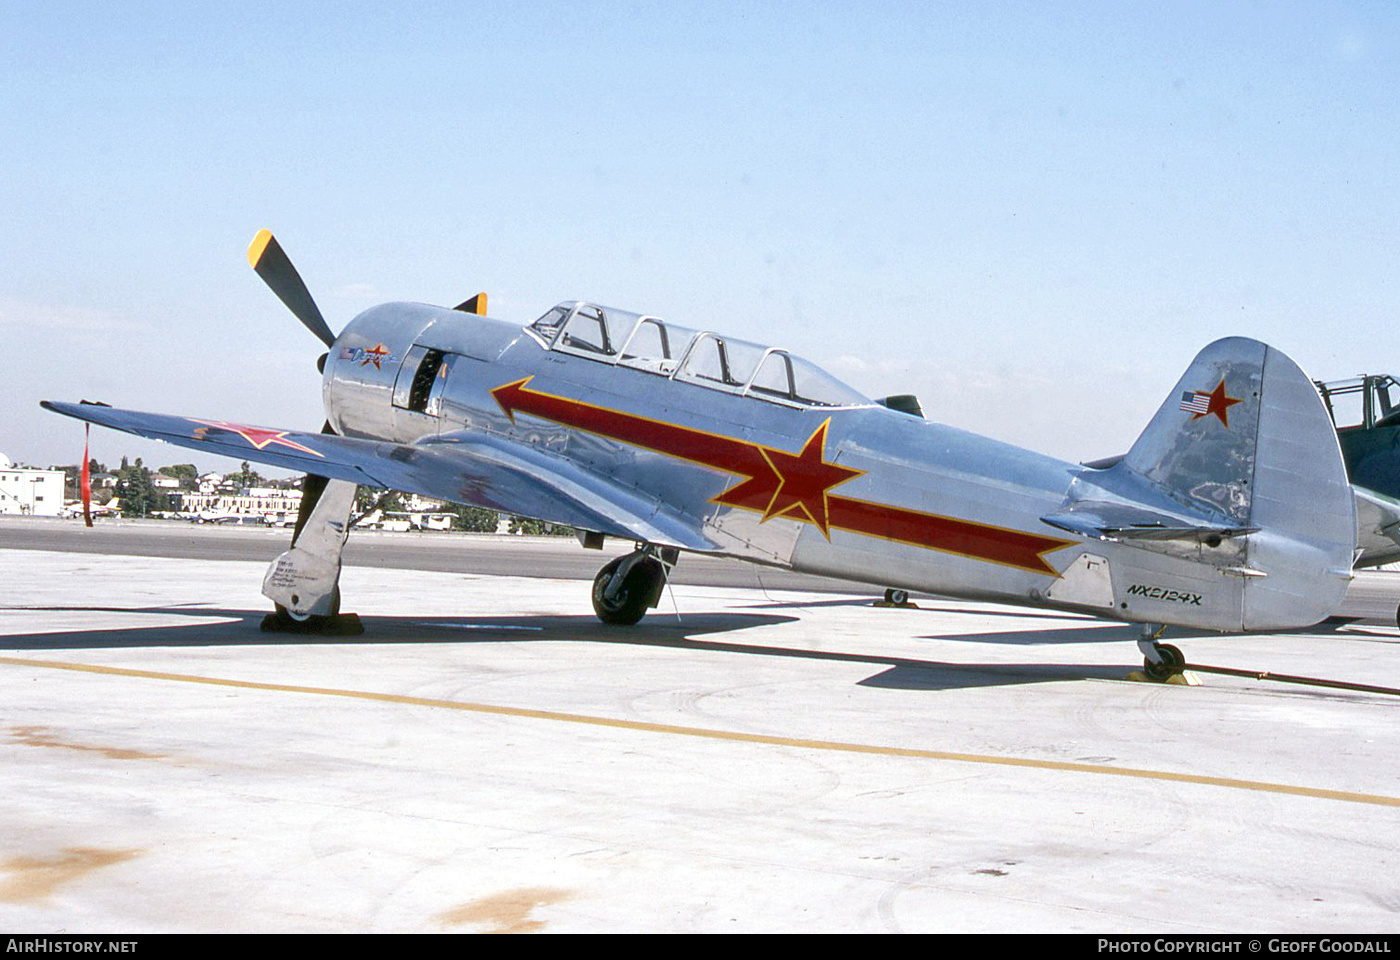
258,246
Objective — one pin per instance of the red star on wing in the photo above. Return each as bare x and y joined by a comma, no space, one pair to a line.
804,479
259,437
1220,404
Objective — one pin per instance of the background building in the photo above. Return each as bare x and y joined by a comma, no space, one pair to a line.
270,504
26,490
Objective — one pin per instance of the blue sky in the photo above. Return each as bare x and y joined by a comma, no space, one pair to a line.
1030,214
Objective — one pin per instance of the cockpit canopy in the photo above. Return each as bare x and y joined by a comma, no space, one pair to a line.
654,346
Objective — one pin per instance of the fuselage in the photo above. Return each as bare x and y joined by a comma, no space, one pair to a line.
776,464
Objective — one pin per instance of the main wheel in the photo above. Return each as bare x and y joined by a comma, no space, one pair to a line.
288,621
896,598
629,603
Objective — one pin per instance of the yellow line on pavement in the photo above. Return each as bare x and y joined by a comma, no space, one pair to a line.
704,733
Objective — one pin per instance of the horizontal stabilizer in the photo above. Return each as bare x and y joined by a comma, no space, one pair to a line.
1107,520
1377,528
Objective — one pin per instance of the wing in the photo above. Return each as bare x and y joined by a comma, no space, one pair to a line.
486,472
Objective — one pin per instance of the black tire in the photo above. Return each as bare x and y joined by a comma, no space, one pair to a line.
896,598
1173,662
630,602
1173,656
289,622
1156,670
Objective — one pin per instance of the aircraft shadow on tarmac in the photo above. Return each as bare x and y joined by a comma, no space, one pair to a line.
217,627
232,628
1089,631
919,606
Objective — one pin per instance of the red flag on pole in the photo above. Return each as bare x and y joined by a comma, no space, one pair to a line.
85,486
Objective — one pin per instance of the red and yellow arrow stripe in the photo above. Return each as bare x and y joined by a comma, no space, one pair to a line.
795,485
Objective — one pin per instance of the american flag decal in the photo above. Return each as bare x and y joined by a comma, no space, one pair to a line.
1200,404
1195,401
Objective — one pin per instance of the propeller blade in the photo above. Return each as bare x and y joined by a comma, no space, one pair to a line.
266,257
476,305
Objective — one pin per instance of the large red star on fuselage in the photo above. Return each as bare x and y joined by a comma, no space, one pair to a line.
804,479
1220,404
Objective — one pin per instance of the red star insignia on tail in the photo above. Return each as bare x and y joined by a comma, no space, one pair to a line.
1200,404
1219,404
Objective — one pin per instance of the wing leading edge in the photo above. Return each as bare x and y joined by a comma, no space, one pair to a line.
489,472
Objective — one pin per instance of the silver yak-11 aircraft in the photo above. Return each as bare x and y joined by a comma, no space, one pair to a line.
1231,512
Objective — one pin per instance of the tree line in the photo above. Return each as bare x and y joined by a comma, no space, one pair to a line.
140,497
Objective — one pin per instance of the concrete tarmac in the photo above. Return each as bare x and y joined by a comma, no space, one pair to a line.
557,557
488,757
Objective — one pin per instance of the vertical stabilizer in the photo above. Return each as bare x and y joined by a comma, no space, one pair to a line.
1244,439
1200,448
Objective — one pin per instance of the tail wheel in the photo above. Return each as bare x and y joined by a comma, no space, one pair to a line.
630,600
1173,662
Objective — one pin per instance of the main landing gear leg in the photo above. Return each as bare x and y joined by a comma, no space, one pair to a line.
625,588
304,582
1160,661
